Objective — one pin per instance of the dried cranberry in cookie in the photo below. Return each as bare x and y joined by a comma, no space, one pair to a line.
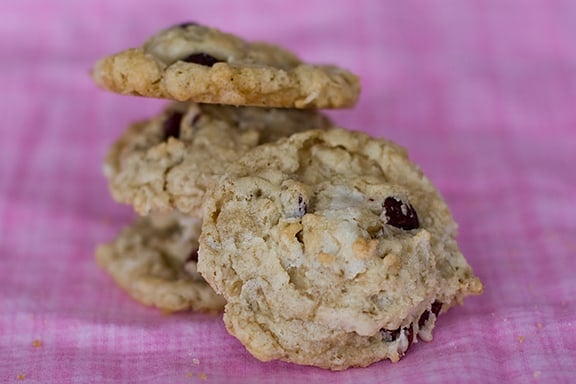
171,125
202,59
185,24
435,309
193,256
400,214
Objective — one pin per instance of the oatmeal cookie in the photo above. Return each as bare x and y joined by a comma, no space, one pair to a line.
192,62
154,261
332,249
167,162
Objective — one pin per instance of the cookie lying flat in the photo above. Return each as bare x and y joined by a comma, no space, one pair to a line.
191,62
154,261
169,161
332,249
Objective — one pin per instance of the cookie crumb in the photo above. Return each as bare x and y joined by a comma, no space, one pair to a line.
21,376
536,374
37,343
520,339
202,376
195,361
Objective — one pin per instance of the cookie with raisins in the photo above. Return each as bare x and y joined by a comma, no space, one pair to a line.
168,162
192,62
154,261
332,249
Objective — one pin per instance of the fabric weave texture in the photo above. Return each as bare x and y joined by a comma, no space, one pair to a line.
482,93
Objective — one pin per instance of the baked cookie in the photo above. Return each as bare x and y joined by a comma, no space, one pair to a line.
169,161
192,62
332,249
154,261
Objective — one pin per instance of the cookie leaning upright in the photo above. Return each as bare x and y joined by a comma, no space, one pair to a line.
192,62
154,261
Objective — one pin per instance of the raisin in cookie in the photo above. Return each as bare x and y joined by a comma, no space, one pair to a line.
332,249
154,261
168,162
201,64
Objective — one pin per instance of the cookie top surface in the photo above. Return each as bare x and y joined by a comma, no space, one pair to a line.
154,261
192,62
169,161
334,230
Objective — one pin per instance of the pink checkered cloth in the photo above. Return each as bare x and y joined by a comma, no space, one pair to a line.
482,93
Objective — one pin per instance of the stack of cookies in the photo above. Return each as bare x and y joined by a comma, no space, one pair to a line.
324,246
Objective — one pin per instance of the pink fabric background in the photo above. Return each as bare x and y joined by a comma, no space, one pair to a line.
483,94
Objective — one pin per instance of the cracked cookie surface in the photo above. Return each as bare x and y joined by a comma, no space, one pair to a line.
192,62
332,249
154,261
169,161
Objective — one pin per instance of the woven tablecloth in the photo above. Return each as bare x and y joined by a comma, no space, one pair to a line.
482,93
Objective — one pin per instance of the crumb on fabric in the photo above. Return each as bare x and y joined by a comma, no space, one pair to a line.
37,343
536,374
570,245
521,339
202,376
21,376
195,361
